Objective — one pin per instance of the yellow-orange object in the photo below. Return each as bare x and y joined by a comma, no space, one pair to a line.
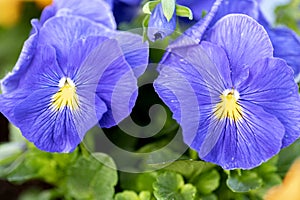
290,187
43,3
9,12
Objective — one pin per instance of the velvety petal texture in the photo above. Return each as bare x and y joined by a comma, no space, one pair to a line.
286,44
285,41
159,27
237,104
72,75
89,10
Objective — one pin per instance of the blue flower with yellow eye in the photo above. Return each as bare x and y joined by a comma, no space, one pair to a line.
236,103
72,74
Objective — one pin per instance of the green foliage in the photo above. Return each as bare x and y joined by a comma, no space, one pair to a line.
169,186
92,177
289,15
244,182
188,168
138,181
183,11
131,195
168,7
207,182
149,6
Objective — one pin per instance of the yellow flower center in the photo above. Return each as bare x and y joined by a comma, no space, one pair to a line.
228,106
65,96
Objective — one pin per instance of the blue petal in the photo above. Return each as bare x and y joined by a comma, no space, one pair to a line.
197,6
54,131
11,81
63,32
159,27
286,45
89,10
116,83
243,39
244,144
247,7
125,12
194,34
135,51
202,77
9,101
271,86
131,2
79,52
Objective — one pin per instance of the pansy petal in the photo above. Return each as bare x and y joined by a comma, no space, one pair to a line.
194,34
136,51
62,32
286,45
200,84
159,27
79,52
54,130
245,143
88,10
9,101
116,83
54,33
37,122
11,81
197,7
271,86
247,7
230,33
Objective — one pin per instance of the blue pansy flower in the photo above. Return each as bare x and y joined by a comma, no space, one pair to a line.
73,72
135,50
159,27
75,79
286,42
236,103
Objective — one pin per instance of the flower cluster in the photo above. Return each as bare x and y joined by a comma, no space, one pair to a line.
228,80
75,70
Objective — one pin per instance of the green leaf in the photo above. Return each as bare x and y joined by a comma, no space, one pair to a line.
131,195
207,182
145,27
170,186
188,191
289,15
168,7
209,197
184,11
287,157
188,168
245,182
92,177
127,195
149,6
137,182
50,167
10,151
145,195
